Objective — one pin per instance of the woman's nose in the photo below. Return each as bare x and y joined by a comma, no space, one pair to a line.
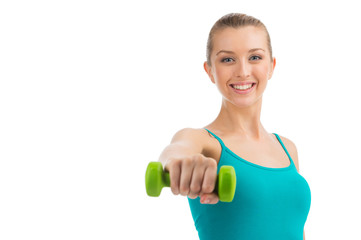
242,69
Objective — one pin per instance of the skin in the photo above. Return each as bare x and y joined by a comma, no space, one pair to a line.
232,61
238,55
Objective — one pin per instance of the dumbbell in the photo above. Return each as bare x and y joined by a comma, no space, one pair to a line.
156,178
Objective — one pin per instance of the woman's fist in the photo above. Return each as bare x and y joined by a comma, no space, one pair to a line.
193,176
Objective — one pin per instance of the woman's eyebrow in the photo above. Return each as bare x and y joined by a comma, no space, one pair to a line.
255,49
231,52
224,51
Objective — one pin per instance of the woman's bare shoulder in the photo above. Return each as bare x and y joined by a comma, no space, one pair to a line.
200,137
191,134
292,149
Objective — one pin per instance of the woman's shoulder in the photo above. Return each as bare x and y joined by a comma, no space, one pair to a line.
202,138
291,148
191,134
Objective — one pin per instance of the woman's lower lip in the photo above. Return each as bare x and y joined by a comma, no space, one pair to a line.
239,91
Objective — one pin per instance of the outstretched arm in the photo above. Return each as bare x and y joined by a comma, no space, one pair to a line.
191,173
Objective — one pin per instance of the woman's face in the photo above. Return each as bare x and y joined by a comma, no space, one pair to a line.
240,64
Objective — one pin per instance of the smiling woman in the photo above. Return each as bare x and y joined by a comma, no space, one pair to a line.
272,199
238,53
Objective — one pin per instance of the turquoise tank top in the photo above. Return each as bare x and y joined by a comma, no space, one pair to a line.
269,203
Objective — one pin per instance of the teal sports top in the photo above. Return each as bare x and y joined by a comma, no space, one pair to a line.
269,203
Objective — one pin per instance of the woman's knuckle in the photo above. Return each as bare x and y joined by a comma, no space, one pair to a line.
172,162
211,163
207,188
175,189
187,161
197,157
195,188
184,190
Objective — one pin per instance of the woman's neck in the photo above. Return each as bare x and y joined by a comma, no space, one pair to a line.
244,121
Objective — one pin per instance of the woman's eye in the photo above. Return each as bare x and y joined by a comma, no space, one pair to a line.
227,60
255,58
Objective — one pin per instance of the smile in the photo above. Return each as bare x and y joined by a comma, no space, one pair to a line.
244,88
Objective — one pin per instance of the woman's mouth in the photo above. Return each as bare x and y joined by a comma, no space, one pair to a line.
243,88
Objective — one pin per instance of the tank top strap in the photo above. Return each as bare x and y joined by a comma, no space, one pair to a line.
219,140
284,148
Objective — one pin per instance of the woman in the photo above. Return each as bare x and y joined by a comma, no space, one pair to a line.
272,199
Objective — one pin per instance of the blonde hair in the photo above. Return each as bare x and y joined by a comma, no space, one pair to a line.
234,20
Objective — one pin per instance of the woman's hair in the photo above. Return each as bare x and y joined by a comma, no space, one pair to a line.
234,20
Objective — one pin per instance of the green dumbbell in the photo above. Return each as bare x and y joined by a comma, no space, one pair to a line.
156,179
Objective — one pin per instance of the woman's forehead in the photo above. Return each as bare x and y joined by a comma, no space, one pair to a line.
243,38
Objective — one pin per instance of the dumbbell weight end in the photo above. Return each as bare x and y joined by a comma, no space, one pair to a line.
156,179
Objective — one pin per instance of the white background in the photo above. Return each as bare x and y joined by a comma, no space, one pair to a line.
91,91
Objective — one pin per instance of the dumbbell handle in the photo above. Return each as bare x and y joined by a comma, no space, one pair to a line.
166,179
156,178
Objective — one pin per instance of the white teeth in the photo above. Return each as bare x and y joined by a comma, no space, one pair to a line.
242,87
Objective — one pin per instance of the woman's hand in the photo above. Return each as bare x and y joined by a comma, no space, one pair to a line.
193,176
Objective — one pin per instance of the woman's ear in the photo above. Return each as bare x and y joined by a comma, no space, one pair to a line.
273,68
208,70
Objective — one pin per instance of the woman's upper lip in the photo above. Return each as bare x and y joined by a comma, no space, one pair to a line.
242,83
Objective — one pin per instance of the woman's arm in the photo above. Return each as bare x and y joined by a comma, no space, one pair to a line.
191,173
186,142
